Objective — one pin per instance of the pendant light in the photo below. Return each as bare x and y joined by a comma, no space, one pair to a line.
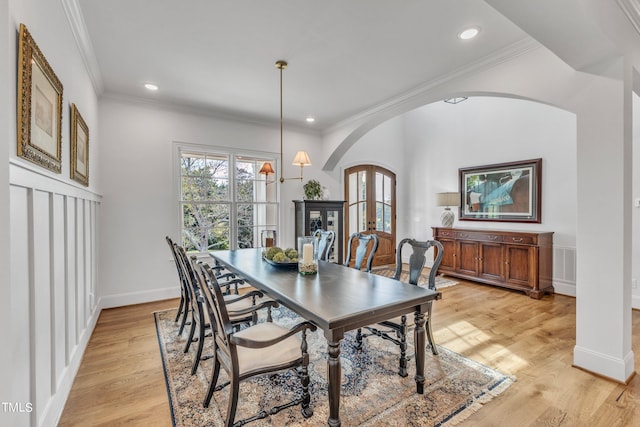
301,158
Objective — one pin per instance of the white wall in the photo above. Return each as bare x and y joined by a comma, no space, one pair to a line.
141,193
603,345
52,232
427,146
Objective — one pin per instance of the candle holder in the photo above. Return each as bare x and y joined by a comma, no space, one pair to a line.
268,238
307,255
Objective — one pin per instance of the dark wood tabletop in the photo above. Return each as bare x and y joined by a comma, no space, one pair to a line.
337,299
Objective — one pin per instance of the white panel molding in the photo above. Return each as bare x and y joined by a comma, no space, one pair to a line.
54,409
25,175
53,271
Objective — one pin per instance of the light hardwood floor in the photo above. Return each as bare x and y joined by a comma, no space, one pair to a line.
120,380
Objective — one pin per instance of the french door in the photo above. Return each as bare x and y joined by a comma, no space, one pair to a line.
371,201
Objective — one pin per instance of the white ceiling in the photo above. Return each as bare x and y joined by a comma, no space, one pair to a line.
345,57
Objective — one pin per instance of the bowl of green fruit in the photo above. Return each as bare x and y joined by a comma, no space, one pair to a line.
281,258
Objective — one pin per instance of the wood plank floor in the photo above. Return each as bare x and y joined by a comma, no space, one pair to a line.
120,380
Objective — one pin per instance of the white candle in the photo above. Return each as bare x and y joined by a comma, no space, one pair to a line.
307,253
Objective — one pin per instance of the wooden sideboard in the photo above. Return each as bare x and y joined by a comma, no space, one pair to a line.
511,259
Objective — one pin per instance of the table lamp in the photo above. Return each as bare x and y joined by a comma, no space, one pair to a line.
447,200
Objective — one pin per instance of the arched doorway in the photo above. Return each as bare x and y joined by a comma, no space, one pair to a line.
371,207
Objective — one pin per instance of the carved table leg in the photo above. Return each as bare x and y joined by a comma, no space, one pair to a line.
419,335
334,377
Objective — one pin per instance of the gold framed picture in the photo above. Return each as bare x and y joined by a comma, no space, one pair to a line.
79,147
39,106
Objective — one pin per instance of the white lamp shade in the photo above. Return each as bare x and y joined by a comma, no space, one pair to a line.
448,199
301,159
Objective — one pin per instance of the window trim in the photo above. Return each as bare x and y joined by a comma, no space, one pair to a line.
179,147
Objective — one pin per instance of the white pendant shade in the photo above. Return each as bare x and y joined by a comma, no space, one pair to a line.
301,159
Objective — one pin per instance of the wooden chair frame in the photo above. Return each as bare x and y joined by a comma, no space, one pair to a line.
325,243
361,250
417,261
226,347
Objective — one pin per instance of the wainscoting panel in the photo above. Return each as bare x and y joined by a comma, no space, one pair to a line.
53,287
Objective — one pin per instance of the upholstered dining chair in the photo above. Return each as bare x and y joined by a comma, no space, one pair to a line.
366,242
198,321
325,243
263,348
243,309
399,326
185,304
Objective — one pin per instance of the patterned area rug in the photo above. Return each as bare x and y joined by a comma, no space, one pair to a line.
372,392
441,282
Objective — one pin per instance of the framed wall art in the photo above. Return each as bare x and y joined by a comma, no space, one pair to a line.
39,106
508,192
79,147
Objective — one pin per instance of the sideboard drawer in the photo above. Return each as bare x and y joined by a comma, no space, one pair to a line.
481,236
522,240
445,233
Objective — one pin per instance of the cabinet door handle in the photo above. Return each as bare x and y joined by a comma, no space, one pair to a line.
516,240
493,237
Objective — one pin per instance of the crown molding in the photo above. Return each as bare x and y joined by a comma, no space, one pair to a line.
408,98
631,8
205,111
81,35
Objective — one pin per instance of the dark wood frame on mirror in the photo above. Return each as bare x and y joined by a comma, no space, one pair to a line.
79,147
39,106
507,192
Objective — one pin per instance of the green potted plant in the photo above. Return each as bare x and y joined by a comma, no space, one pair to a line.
312,190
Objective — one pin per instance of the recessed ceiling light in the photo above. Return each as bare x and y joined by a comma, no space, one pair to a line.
151,86
310,119
469,33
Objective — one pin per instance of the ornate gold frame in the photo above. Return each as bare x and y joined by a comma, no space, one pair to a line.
39,106
79,147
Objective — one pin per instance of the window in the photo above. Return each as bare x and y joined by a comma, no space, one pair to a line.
224,201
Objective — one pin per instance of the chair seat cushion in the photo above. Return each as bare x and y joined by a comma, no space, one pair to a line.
282,353
232,305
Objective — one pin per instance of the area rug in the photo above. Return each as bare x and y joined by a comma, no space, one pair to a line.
372,393
441,282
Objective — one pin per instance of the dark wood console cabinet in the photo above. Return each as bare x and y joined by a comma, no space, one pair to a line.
511,259
324,214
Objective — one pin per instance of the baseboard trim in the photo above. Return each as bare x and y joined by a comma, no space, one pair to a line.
616,369
564,289
130,298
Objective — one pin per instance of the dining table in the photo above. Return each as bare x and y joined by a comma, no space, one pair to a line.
337,299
